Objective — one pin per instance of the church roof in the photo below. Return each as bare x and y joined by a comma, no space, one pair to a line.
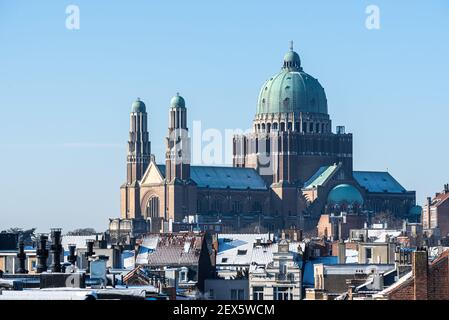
378,182
292,90
224,177
321,176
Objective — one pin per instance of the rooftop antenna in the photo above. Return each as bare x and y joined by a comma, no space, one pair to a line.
291,45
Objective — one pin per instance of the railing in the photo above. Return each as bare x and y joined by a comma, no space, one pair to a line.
289,277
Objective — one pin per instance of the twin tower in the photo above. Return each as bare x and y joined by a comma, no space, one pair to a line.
142,170
290,144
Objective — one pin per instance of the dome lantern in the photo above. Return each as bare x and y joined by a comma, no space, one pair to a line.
292,61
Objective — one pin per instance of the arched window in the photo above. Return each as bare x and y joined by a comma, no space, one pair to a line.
153,207
282,126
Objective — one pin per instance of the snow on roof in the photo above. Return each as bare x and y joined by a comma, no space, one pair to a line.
240,250
79,241
382,236
352,256
37,294
344,269
170,249
397,284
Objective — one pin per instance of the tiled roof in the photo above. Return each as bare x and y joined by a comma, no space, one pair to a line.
378,182
224,177
170,249
440,198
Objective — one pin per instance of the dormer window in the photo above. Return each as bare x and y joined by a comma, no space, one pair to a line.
183,275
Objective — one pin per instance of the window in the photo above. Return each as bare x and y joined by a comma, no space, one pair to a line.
241,252
216,205
237,294
183,275
282,293
258,293
282,268
237,207
211,293
369,253
153,207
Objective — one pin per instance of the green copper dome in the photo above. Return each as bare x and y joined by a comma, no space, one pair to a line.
292,90
138,106
345,193
177,101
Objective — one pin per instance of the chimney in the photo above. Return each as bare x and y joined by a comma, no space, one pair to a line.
420,271
429,201
341,252
56,250
446,188
283,235
22,257
295,236
42,254
90,252
72,256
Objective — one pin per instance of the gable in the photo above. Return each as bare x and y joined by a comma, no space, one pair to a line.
152,175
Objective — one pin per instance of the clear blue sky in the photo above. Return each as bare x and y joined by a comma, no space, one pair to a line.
65,95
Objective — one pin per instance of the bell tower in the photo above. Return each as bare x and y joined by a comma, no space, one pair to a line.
137,161
139,146
177,156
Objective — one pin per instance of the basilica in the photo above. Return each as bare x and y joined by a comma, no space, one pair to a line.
292,168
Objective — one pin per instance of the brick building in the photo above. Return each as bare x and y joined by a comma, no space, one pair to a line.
289,170
426,281
435,215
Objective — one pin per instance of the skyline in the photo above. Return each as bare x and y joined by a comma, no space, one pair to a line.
91,77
